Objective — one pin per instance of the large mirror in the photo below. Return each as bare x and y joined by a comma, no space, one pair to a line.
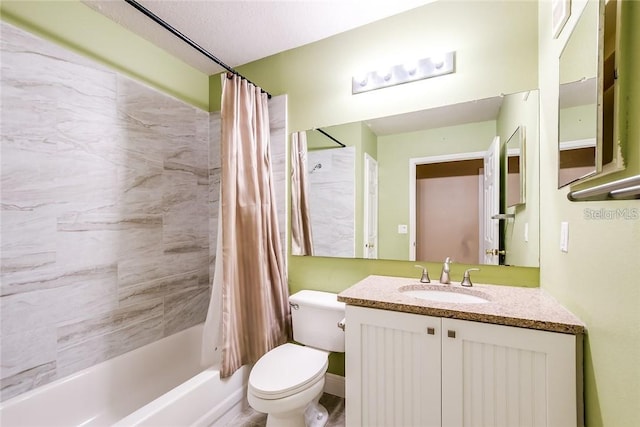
586,131
413,186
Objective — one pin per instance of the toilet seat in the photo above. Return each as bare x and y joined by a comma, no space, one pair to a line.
286,370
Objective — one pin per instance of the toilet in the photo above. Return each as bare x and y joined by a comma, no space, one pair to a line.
287,382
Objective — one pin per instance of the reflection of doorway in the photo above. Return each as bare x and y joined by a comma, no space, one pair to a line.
370,207
450,203
577,159
448,210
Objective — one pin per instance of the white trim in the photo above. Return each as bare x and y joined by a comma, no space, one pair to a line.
577,143
513,152
413,162
334,384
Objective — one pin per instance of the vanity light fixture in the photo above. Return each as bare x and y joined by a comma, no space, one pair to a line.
436,65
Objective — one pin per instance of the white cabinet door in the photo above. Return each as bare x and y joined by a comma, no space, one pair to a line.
393,368
411,370
504,376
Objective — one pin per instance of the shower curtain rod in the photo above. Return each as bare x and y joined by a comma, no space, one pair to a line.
330,137
164,24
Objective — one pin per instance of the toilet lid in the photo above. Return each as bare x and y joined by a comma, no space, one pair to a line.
287,369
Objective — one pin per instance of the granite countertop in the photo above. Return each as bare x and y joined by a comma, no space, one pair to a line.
530,308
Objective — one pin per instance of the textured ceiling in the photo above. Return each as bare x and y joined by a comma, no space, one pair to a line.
238,32
242,31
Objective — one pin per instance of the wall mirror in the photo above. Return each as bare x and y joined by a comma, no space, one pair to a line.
410,186
587,140
516,168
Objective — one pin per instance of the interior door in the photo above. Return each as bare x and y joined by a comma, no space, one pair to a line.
370,207
491,185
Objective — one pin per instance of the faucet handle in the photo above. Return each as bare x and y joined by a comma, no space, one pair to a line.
466,278
425,274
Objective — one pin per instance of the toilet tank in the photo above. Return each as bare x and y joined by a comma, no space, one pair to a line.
315,316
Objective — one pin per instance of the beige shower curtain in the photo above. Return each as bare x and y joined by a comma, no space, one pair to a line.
255,316
301,240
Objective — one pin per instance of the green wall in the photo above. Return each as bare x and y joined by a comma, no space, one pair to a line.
369,145
598,279
577,122
76,26
317,77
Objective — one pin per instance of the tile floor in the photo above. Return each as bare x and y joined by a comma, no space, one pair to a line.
334,404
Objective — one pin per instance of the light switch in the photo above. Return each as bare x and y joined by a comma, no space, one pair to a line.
526,231
403,229
564,236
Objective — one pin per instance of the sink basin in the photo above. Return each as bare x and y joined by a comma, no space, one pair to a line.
444,295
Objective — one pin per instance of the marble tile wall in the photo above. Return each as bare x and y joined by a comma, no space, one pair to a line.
105,213
108,222
332,201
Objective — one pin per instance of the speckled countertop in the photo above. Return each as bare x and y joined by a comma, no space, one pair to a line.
511,306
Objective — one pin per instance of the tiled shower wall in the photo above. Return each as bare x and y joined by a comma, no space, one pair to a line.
109,205
104,215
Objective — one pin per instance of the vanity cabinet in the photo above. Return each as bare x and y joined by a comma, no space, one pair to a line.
405,369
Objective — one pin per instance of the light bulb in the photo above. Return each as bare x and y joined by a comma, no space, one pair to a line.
385,74
411,67
437,60
362,79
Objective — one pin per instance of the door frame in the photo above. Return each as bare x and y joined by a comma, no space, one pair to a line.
413,163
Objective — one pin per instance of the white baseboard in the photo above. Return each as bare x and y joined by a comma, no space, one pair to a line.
334,384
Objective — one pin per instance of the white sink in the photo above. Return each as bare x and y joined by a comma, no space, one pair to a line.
444,295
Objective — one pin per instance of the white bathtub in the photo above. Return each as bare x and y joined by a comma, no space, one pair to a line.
160,384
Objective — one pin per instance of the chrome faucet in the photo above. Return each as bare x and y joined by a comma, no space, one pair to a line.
466,279
444,276
425,274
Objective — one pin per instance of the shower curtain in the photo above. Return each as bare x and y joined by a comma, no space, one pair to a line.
250,277
301,240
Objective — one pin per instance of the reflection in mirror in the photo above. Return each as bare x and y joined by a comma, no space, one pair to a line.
578,100
360,195
587,140
515,192
332,188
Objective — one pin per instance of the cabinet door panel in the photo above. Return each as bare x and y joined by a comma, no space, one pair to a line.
393,371
504,376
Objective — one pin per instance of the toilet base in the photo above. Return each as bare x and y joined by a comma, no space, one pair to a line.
316,415
291,411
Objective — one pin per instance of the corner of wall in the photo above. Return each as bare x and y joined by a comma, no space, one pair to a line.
77,27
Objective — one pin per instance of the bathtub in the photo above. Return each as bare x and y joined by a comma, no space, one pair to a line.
160,384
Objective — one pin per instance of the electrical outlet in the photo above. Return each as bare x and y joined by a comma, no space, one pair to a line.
564,236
